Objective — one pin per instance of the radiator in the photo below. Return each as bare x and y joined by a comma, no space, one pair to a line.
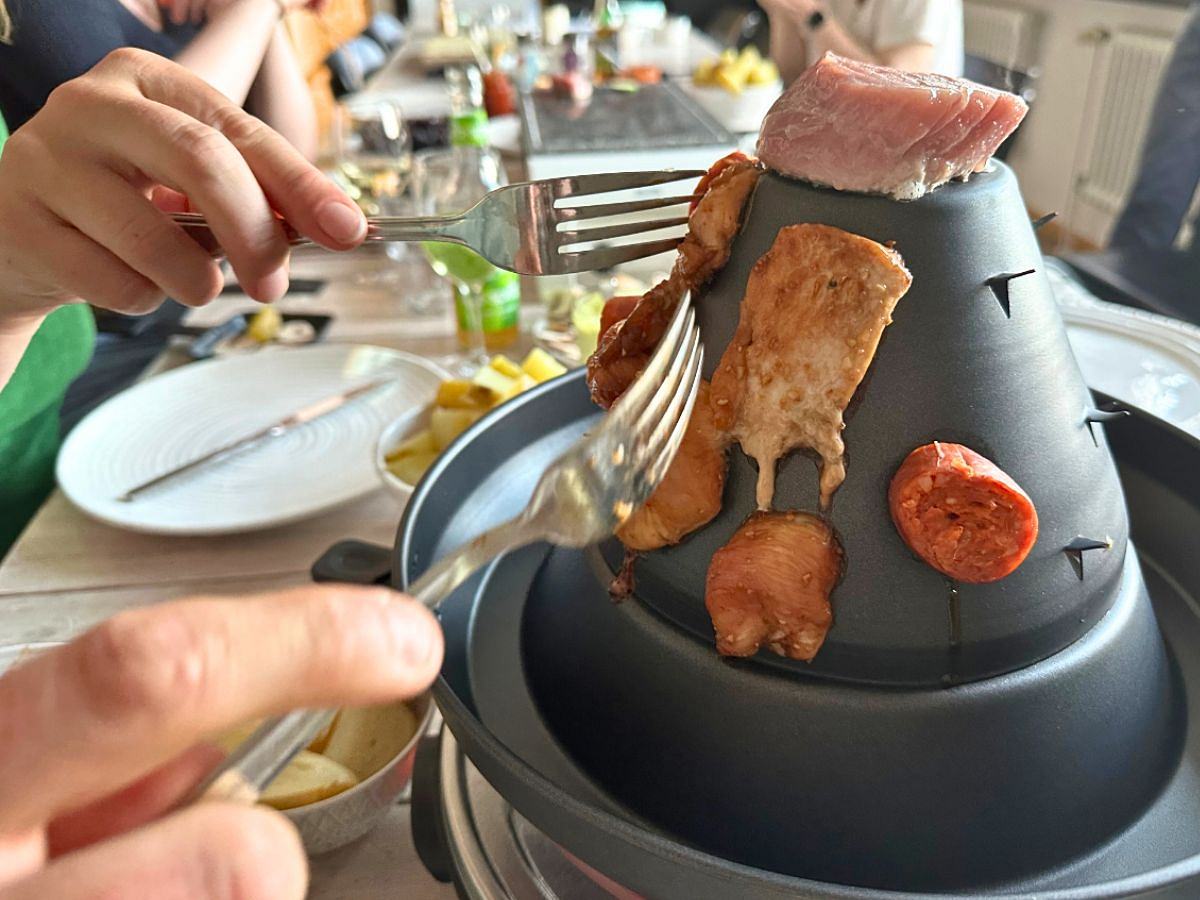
1128,68
999,33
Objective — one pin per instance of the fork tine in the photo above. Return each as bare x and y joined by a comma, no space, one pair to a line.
607,257
663,444
656,409
617,181
579,236
630,404
602,210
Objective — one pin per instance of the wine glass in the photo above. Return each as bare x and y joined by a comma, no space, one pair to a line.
448,182
374,166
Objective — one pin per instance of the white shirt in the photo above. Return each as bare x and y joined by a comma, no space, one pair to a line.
882,25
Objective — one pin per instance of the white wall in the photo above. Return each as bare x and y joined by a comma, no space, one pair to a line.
1045,156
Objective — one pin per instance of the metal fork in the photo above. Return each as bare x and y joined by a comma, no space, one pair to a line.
579,500
516,227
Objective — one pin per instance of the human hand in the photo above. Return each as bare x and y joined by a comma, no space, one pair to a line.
799,10
102,738
83,184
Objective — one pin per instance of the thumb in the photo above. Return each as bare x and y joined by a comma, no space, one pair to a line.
213,851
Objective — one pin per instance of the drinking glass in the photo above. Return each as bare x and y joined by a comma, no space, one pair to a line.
374,166
374,153
448,182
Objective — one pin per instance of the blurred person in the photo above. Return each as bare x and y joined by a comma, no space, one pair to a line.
1169,171
105,736
916,35
237,46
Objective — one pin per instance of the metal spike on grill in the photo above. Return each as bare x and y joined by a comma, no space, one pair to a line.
1097,415
1043,220
1080,545
999,287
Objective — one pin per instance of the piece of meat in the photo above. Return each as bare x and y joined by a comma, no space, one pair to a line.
690,494
616,309
623,350
815,306
771,584
860,127
962,514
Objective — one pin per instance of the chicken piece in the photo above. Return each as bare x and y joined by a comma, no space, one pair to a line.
625,347
771,584
690,494
815,307
862,127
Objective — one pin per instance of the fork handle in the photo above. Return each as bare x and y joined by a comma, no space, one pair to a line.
416,228
447,229
246,772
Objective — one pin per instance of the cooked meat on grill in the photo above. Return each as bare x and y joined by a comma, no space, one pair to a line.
815,307
625,347
690,494
770,585
961,513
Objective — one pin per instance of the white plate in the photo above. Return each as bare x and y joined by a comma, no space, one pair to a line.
1143,359
180,415
739,113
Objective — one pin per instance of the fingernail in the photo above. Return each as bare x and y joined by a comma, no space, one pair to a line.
342,222
414,633
273,286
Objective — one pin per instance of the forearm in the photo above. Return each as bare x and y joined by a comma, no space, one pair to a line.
788,47
280,96
228,52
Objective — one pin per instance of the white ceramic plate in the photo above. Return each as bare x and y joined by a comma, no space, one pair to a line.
180,415
1146,360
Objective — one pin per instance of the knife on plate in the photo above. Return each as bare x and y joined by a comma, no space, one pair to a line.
302,416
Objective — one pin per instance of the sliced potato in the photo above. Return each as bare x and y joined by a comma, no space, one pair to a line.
308,778
321,740
447,424
421,442
459,394
366,739
506,366
412,467
541,366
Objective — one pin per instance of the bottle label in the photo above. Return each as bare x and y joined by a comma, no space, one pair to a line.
501,303
469,129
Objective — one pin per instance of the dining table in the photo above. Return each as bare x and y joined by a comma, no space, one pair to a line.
67,571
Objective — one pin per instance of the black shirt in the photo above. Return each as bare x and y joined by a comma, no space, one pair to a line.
56,40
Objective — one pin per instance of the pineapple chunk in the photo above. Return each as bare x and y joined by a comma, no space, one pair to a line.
502,385
447,424
457,394
703,76
421,442
265,325
728,79
412,467
728,57
506,366
541,366
763,73
306,779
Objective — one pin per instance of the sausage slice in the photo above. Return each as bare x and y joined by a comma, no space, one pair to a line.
962,514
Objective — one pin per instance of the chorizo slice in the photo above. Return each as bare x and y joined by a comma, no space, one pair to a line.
961,513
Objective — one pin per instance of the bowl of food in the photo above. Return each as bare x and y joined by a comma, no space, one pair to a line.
408,446
343,784
736,88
